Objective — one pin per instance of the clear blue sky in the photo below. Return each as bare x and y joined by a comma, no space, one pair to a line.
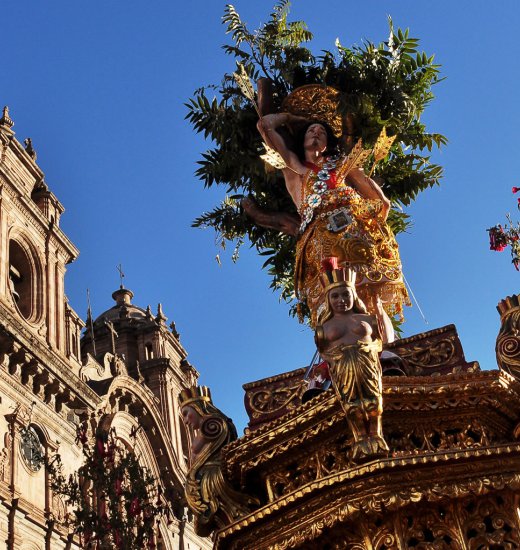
100,86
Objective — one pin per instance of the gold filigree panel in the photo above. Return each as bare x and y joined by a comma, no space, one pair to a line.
332,456
271,400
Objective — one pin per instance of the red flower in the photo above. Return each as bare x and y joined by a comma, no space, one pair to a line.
497,239
515,189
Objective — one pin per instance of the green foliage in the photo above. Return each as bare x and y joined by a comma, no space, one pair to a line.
116,502
385,85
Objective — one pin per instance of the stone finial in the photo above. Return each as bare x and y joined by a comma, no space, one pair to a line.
29,149
508,340
149,315
6,119
160,317
174,330
123,296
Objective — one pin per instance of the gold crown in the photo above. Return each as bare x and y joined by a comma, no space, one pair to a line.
195,393
316,102
508,304
332,275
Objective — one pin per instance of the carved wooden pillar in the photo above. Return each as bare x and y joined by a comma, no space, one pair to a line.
508,340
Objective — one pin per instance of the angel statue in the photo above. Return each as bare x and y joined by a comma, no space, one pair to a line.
209,496
343,211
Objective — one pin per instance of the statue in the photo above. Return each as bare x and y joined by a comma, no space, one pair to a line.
347,338
343,211
209,496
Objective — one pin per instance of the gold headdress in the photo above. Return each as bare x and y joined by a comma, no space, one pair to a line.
316,102
195,393
333,276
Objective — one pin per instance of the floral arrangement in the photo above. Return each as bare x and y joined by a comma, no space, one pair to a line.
115,502
500,237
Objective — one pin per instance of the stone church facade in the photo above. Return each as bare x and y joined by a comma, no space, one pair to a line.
124,374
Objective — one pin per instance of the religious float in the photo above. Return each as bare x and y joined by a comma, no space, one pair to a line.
381,442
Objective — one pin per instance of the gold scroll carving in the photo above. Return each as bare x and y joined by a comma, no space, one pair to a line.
271,400
508,340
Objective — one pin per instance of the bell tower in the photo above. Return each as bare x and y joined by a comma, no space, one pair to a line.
34,251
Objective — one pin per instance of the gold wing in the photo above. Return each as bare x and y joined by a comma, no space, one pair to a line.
382,147
356,158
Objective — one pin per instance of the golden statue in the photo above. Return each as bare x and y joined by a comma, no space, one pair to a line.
209,496
348,339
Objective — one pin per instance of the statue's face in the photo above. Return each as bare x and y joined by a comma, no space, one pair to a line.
191,417
341,299
315,137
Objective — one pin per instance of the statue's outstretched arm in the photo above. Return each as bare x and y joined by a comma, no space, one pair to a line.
271,219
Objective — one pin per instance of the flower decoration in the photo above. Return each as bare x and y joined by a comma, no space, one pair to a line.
320,187
314,200
500,237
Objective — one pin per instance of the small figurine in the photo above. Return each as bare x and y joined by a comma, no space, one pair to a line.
348,339
209,496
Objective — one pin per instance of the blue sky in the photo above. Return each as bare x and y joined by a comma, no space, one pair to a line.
100,88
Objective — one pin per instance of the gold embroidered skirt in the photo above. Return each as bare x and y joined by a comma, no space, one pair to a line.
366,245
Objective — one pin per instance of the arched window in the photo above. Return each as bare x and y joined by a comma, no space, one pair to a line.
24,280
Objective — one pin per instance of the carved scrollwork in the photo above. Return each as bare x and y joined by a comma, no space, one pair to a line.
212,428
270,400
430,354
508,340
212,500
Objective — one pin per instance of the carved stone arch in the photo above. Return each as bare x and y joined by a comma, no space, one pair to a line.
140,403
31,546
42,432
125,425
25,276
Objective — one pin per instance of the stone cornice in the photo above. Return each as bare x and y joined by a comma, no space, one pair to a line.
53,362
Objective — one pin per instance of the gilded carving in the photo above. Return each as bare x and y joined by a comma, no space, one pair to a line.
271,400
209,496
508,340
431,353
450,515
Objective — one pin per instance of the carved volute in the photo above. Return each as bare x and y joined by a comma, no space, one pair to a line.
508,340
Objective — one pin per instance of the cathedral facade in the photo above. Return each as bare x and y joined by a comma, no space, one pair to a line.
123,375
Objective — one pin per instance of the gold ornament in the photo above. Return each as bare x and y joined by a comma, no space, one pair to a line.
315,102
382,147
